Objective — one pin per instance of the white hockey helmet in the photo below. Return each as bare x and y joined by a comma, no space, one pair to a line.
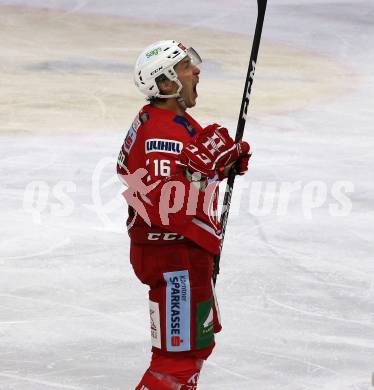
159,59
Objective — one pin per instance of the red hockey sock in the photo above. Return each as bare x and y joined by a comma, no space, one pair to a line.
171,373
153,381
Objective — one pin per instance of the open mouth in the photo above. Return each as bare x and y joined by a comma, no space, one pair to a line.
195,89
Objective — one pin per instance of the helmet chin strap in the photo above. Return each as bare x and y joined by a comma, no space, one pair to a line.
181,102
178,95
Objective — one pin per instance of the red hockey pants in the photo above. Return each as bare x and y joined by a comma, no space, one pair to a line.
183,309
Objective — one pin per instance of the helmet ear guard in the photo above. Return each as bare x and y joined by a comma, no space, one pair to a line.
171,75
159,59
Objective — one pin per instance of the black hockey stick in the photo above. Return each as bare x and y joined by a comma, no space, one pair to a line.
261,5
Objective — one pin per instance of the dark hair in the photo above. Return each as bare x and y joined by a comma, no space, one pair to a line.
158,80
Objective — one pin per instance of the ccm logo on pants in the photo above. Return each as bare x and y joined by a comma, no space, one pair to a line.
178,296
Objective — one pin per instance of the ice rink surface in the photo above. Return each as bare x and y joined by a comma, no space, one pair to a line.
296,288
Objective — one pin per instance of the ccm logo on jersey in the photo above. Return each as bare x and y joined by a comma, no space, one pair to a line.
163,145
164,236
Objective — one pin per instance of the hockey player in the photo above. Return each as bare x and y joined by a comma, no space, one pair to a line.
172,166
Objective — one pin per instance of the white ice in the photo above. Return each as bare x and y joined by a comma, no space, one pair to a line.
296,288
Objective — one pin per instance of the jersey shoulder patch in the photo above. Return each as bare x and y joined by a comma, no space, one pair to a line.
141,118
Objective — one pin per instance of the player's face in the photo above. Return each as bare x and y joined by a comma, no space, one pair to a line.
188,74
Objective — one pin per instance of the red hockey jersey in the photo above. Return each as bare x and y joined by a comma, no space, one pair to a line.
163,204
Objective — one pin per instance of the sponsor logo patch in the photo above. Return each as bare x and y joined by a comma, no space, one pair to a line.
131,134
154,314
204,324
153,52
129,140
163,145
177,311
182,46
